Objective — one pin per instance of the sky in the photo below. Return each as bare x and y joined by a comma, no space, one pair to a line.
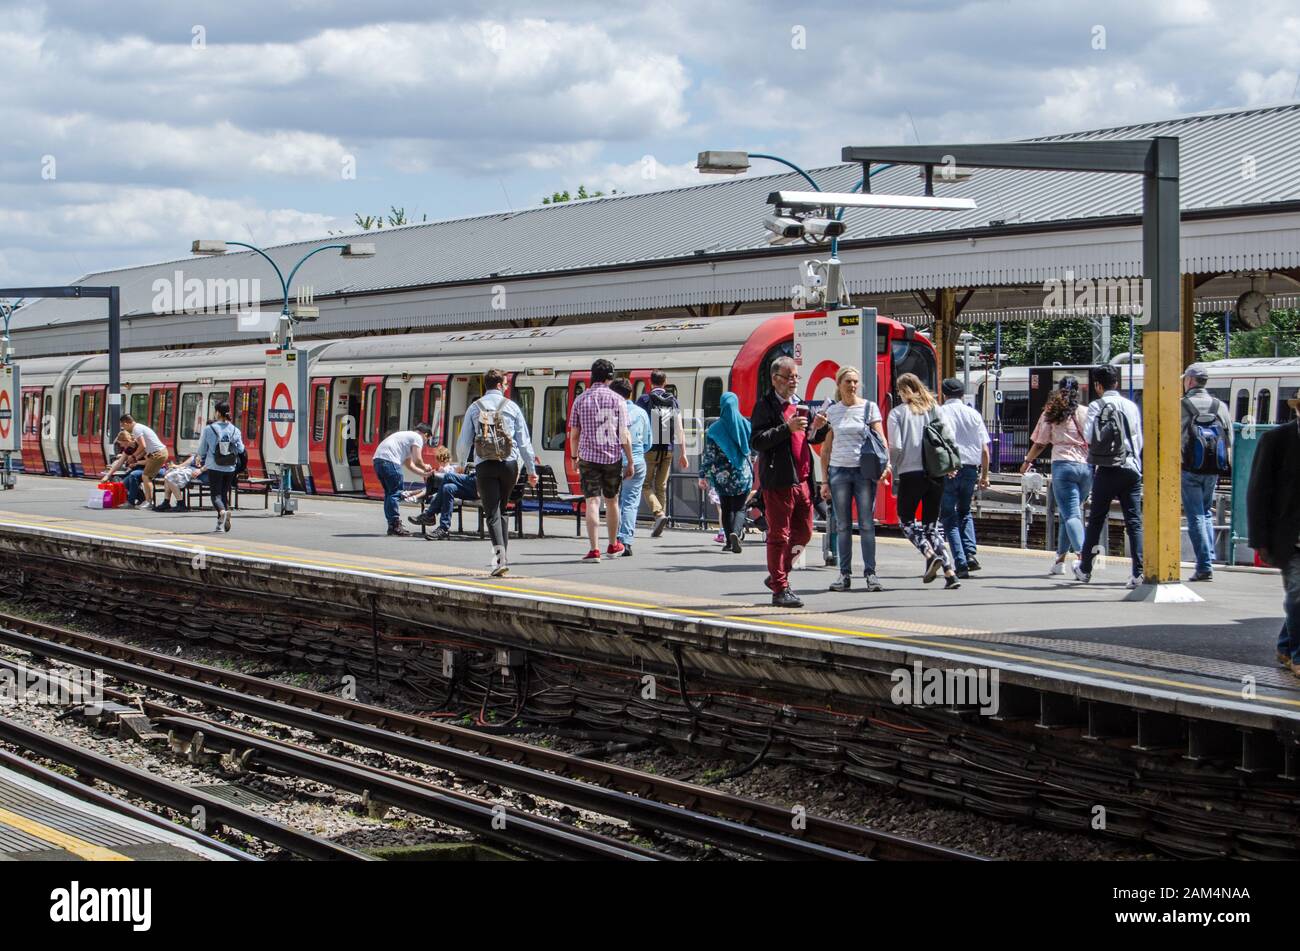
133,128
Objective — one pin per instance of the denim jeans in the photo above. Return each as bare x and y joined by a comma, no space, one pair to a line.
958,523
454,486
629,503
849,485
1071,483
1111,483
1288,641
390,477
132,480
1198,506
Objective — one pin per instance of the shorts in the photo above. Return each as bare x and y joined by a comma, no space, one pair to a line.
600,478
153,464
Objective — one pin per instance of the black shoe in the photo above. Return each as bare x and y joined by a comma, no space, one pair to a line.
786,599
439,534
627,551
660,524
165,507
932,569
842,583
1203,576
963,573
420,519
397,529
733,543
952,583
973,564
180,508
873,584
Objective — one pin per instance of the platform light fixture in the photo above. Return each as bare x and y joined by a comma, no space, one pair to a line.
722,162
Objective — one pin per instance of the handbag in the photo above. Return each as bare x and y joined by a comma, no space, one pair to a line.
873,458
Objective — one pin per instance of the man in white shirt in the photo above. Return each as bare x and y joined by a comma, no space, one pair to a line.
405,447
1114,435
155,454
972,438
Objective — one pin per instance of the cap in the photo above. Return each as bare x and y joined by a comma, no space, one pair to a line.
1198,372
953,387
1068,383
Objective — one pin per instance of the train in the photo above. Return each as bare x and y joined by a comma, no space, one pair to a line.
362,389
1254,388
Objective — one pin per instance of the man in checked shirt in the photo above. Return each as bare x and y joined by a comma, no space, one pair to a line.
599,443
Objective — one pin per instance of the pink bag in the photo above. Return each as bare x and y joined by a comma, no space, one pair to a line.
100,499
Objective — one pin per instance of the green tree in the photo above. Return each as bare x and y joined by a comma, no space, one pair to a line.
396,216
557,197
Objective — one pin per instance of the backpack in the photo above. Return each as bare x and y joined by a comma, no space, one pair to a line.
663,410
491,441
224,454
1205,443
939,454
1109,443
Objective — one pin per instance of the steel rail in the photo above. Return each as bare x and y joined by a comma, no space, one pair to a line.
352,717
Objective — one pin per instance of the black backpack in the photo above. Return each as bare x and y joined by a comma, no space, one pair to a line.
1205,442
223,453
1109,443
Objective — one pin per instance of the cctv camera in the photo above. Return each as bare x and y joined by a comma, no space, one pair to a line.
783,227
824,227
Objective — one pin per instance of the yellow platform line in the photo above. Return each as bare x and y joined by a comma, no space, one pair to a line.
687,614
64,840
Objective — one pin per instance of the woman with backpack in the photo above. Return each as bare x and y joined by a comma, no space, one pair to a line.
220,448
922,453
1061,429
852,474
496,432
725,465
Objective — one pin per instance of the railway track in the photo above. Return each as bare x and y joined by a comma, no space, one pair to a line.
697,813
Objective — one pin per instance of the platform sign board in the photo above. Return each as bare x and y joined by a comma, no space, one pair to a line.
10,400
824,341
284,440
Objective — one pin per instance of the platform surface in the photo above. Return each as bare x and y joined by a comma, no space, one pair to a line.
1010,614
41,823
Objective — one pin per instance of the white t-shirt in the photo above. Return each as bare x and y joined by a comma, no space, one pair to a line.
397,447
968,426
151,441
849,423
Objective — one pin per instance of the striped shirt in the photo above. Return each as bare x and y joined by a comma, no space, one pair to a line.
601,417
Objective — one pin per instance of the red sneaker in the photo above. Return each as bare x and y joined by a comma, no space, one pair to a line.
615,549
593,555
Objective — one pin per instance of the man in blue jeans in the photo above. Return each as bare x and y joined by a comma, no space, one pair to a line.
455,485
629,494
973,447
401,448
1199,486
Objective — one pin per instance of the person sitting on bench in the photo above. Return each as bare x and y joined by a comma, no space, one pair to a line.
178,476
441,491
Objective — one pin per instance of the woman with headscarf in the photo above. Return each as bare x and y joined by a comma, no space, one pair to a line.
725,465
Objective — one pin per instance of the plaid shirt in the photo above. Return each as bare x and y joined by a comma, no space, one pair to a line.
601,416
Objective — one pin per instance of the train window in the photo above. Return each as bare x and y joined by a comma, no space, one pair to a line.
139,405
48,414
88,413
213,400
555,416
191,421
524,396
639,389
1263,405
785,349
415,414
76,415
392,412
156,412
319,410
169,414
1286,389
368,412
254,422
1243,405
435,413
712,397
912,356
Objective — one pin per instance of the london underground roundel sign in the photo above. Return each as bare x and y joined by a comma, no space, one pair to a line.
280,415
6,414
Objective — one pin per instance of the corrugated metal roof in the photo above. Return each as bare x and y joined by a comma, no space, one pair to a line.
1232,159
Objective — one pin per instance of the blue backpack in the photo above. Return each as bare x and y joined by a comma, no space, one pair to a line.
1205,443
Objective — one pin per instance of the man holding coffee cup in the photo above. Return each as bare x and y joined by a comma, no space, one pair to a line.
779,434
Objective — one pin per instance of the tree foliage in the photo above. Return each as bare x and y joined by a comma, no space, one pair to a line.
395,217
557,197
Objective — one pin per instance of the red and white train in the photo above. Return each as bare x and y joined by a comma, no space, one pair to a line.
362,389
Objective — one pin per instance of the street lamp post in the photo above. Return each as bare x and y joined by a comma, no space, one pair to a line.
284,337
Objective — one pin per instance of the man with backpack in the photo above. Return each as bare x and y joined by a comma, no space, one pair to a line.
666,433
1114,435
497,433
1207,454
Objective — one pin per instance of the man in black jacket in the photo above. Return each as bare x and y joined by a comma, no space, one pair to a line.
779,434
1273,518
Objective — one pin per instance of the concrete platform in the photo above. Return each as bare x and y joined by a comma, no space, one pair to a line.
1192,659
41,823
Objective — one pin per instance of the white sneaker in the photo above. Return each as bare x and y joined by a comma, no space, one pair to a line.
1133,582
1058,568
1079,575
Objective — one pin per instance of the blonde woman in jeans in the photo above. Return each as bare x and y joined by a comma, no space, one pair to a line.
1060,428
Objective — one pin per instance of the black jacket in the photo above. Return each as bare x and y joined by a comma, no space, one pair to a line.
1273,497
770,438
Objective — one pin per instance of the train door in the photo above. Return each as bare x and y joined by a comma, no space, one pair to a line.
370,428
246,413
90,445
344,435
433,405
33,457
51,407
318,441
462,390
578,382
549,433
162,413
190,422
71,437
